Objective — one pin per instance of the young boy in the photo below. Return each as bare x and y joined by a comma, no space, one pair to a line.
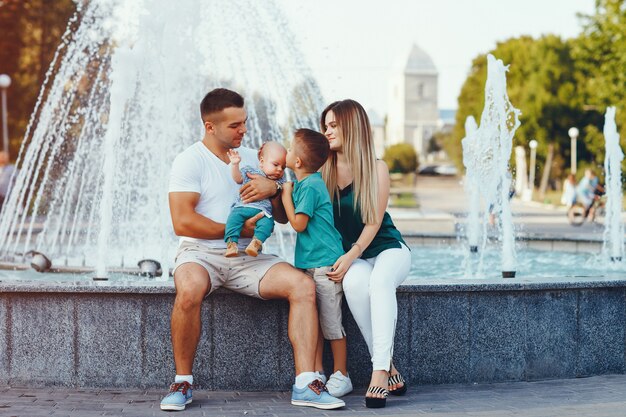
271,165
318,245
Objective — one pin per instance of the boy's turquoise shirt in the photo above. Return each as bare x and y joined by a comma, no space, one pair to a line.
320,243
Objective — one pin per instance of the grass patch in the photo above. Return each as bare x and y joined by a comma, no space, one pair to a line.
403,200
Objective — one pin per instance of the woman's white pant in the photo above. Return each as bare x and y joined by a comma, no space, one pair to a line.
370,289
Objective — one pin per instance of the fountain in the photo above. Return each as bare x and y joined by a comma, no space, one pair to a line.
471,183
613,246
486,154
120,101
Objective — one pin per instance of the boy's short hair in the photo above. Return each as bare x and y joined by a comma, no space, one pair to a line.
312,148
218,100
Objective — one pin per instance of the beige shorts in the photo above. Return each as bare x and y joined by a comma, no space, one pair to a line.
241,274
329,295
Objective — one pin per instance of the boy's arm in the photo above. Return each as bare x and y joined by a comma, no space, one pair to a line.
298,221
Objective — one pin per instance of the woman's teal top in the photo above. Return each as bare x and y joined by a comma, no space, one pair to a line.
350,225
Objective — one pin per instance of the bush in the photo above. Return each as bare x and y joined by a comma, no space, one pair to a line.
401,158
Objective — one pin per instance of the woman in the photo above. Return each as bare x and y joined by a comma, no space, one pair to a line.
376,260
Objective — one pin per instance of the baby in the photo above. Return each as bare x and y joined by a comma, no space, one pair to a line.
272,159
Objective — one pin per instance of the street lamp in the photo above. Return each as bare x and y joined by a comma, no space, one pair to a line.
5,82
531,172
573,134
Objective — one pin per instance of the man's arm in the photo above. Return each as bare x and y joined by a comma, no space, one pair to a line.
187,222
278,210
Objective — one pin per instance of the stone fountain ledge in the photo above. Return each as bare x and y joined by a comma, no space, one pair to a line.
49,283
65,332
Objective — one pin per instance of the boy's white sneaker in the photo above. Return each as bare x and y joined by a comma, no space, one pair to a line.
339,384
321,377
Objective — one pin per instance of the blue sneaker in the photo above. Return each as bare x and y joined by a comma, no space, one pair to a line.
178,397
315,395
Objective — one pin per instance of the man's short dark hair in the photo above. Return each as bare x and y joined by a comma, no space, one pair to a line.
218,100
312,148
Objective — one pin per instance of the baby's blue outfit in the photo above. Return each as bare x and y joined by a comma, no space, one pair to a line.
242,212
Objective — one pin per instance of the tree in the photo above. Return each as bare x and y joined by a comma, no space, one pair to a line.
543,82
600,52
401,158
31,33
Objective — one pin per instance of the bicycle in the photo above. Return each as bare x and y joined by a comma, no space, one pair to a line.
578,213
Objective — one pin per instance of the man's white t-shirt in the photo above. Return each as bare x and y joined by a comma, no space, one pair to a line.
198,170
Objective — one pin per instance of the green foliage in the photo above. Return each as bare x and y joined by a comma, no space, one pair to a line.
601,55
401,158
557,84
31,32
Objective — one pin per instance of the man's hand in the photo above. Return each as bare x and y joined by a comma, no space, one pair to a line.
250,224
258,188
234,156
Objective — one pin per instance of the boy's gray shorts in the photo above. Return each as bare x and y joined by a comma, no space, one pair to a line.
329,295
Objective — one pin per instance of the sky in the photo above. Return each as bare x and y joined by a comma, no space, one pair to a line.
352,46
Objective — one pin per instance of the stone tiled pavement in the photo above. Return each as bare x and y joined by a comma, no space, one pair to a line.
595,396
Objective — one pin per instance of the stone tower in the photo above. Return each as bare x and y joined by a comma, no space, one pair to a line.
413,111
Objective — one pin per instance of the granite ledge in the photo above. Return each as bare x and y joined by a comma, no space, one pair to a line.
410,286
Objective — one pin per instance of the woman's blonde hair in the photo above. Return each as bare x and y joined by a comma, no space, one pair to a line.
353,126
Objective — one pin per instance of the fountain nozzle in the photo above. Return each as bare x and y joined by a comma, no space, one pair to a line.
148,267
473,249
508,274
39,262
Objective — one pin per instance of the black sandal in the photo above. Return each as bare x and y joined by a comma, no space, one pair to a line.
372,402
397,379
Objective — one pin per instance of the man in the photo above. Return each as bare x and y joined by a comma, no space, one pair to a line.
6,172
201,193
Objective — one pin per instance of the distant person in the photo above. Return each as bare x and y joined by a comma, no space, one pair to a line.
318,246
588,191
7,169
201,194
271,164
377,259
568,198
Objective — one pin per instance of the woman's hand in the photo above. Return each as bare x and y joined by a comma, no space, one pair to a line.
342,265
